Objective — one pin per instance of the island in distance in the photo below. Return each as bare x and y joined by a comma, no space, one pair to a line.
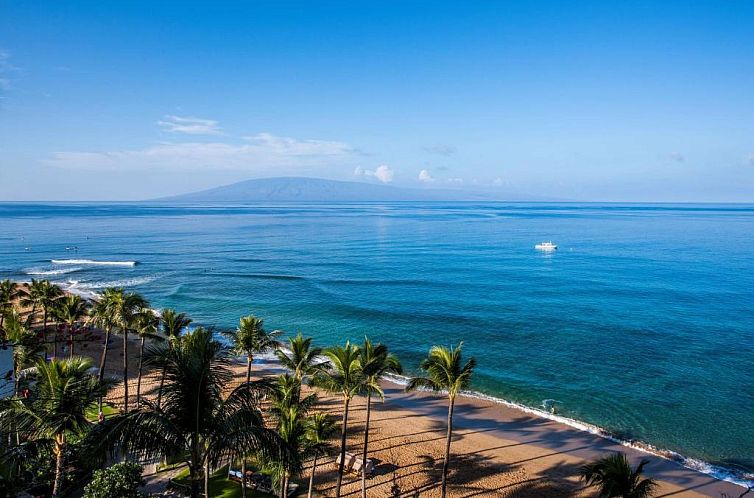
299,189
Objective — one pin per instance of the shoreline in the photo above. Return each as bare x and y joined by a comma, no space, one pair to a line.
499,449
717,472
697,468
674,468
736,476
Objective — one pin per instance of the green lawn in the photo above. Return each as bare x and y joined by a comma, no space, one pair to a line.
93,412
222,487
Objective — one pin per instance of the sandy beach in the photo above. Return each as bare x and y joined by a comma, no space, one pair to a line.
498,451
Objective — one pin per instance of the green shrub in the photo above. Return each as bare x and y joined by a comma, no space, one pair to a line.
122,480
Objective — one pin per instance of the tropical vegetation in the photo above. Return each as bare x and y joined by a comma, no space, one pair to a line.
57,410
614,477
197,421
344,376
445,372
121,479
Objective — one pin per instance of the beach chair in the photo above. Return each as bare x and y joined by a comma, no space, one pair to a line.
235,475
356,467
348,462
292,489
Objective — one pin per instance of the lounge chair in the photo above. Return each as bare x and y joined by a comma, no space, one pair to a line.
356,467
348,462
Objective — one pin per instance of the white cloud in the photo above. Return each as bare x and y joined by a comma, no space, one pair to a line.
262,153
189,125
425,176
498,182
383,173
287,146
455,181
750,159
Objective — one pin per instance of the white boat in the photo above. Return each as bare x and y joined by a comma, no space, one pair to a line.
545,246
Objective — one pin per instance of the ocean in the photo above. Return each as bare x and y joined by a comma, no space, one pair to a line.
642,321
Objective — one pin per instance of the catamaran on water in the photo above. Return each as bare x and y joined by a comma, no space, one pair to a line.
546,246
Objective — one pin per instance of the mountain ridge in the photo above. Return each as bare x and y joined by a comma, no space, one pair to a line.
282,189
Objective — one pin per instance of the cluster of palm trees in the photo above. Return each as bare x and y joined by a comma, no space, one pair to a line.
193,416
201,414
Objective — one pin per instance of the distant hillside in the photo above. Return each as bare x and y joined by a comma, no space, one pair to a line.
291,189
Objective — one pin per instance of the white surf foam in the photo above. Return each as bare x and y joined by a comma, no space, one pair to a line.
59,271
91,262
72,287
89,290
724,474
126,282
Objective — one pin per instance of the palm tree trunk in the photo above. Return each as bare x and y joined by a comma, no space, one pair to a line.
193,482
125,369
206,479
102,361
59,463
311,477
159,391
162,378
70,331
249,359
138,383
16,386
243,477
445,464
44,333
344,430
366,444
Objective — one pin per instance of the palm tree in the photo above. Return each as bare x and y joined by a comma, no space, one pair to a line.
615,477
320,427
195,422
342,375
42,295
103,316
286,392
288,410
9,291
292,432
376,362
69,310
445,372
65,391
146,325
173,324
251,338
302,359
26,346
125,307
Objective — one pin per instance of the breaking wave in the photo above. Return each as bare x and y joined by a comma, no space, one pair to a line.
91,262
58,271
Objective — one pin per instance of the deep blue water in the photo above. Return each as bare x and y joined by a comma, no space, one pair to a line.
642,322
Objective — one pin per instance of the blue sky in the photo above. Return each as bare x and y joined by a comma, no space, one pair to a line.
646,101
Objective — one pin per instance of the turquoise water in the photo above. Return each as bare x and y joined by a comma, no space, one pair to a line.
642,322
